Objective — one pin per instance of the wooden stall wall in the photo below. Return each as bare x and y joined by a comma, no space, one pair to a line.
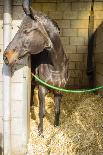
99,56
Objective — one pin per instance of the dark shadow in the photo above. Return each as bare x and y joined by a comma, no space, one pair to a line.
1,149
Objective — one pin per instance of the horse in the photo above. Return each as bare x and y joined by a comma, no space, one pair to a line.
42,67
41,38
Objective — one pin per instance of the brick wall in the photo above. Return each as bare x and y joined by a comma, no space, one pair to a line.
72,17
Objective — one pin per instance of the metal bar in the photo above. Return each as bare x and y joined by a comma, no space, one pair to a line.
6,79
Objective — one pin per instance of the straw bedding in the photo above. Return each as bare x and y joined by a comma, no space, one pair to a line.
80,131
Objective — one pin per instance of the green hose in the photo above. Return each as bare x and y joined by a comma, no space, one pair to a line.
65,90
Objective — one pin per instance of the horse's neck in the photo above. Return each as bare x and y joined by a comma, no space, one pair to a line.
58,57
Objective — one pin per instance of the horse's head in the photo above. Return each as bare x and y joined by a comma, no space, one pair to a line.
28,39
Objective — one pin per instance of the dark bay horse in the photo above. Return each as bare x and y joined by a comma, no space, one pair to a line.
41,38
42,66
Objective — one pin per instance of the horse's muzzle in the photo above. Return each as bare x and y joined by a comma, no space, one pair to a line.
5,60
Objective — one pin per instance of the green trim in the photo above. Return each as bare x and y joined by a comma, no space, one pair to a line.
65,90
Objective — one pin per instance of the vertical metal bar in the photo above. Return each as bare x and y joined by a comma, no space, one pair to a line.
6,79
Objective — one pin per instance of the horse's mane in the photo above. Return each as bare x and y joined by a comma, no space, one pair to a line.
43,17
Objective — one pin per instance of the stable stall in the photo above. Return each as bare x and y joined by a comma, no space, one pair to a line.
16,122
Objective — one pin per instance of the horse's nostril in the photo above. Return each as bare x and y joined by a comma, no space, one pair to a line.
5,60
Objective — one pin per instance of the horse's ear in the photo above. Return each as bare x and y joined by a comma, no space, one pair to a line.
27,9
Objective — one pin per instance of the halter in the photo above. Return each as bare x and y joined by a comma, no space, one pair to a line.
22,56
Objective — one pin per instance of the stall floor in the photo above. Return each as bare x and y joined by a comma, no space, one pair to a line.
80,131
